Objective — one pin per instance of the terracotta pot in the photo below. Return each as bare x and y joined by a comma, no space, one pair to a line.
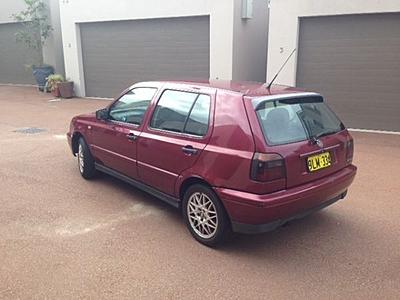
56,92
66,89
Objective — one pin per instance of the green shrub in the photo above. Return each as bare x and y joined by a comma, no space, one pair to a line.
53,80
36,27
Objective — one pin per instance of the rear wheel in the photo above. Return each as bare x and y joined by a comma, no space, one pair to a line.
85,160
204,215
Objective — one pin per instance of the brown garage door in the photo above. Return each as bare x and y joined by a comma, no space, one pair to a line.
119,53
354,60
14,57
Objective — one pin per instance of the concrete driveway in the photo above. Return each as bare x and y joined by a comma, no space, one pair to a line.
64,237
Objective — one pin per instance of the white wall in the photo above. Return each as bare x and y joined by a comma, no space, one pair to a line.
284,23
74,12
8,8
53,50
250,38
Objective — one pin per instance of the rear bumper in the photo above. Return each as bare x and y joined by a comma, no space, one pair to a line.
253,213
260,228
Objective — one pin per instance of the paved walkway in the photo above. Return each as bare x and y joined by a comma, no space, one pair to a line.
64,237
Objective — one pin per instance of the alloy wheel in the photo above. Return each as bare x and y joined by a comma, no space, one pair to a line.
202,215
81,159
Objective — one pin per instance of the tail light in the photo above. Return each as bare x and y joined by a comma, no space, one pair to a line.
349,151
267,167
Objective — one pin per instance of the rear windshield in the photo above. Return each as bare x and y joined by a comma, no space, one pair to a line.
295,119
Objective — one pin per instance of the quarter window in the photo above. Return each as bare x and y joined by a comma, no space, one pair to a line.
131,107
183,112
197,123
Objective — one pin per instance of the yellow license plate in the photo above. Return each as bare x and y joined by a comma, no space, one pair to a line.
320,161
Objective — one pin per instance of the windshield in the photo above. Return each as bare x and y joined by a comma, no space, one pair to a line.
296,119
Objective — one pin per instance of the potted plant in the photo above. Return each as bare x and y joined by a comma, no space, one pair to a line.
52,84
66,89
34,33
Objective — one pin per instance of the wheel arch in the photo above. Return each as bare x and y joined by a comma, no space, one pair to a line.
75,141
189,182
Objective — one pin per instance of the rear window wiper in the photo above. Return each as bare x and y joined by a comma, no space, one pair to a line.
306,126
324,133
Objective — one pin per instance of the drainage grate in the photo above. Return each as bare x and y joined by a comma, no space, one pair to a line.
30,130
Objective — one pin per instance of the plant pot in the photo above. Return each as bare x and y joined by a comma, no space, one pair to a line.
56,92
41,73
66,89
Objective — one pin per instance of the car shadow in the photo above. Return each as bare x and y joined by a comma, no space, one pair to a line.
280,238
138,195
323,226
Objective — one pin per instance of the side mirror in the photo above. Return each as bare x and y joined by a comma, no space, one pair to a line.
102,114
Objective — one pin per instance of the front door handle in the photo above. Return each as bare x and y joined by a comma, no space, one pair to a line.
131,136
189,150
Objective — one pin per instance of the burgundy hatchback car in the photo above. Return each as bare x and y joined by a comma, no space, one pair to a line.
234,156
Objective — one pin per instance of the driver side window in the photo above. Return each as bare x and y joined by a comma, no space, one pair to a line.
131,107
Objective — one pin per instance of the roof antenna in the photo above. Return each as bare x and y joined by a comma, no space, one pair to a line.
284,64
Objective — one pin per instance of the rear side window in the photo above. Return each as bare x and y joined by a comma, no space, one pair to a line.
296,119
182,112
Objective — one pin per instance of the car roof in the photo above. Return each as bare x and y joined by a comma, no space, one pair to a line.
247,88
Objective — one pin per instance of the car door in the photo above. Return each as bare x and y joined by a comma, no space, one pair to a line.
177,131
114,139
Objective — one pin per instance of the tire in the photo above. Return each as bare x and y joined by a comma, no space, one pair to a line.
205,215
85,160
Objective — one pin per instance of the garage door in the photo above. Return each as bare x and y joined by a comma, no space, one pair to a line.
15,56
354,61
119,53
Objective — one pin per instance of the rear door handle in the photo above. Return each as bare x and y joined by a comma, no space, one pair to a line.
131,136
189,150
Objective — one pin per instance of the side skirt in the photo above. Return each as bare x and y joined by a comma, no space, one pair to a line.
137,184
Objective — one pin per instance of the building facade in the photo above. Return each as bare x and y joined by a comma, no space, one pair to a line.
109,45
347,50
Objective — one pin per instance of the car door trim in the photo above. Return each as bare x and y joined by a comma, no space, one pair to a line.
137,184
177,134
128,125
113,153
157,169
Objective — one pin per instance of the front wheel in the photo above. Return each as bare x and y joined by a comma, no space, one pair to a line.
204,215
85,160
